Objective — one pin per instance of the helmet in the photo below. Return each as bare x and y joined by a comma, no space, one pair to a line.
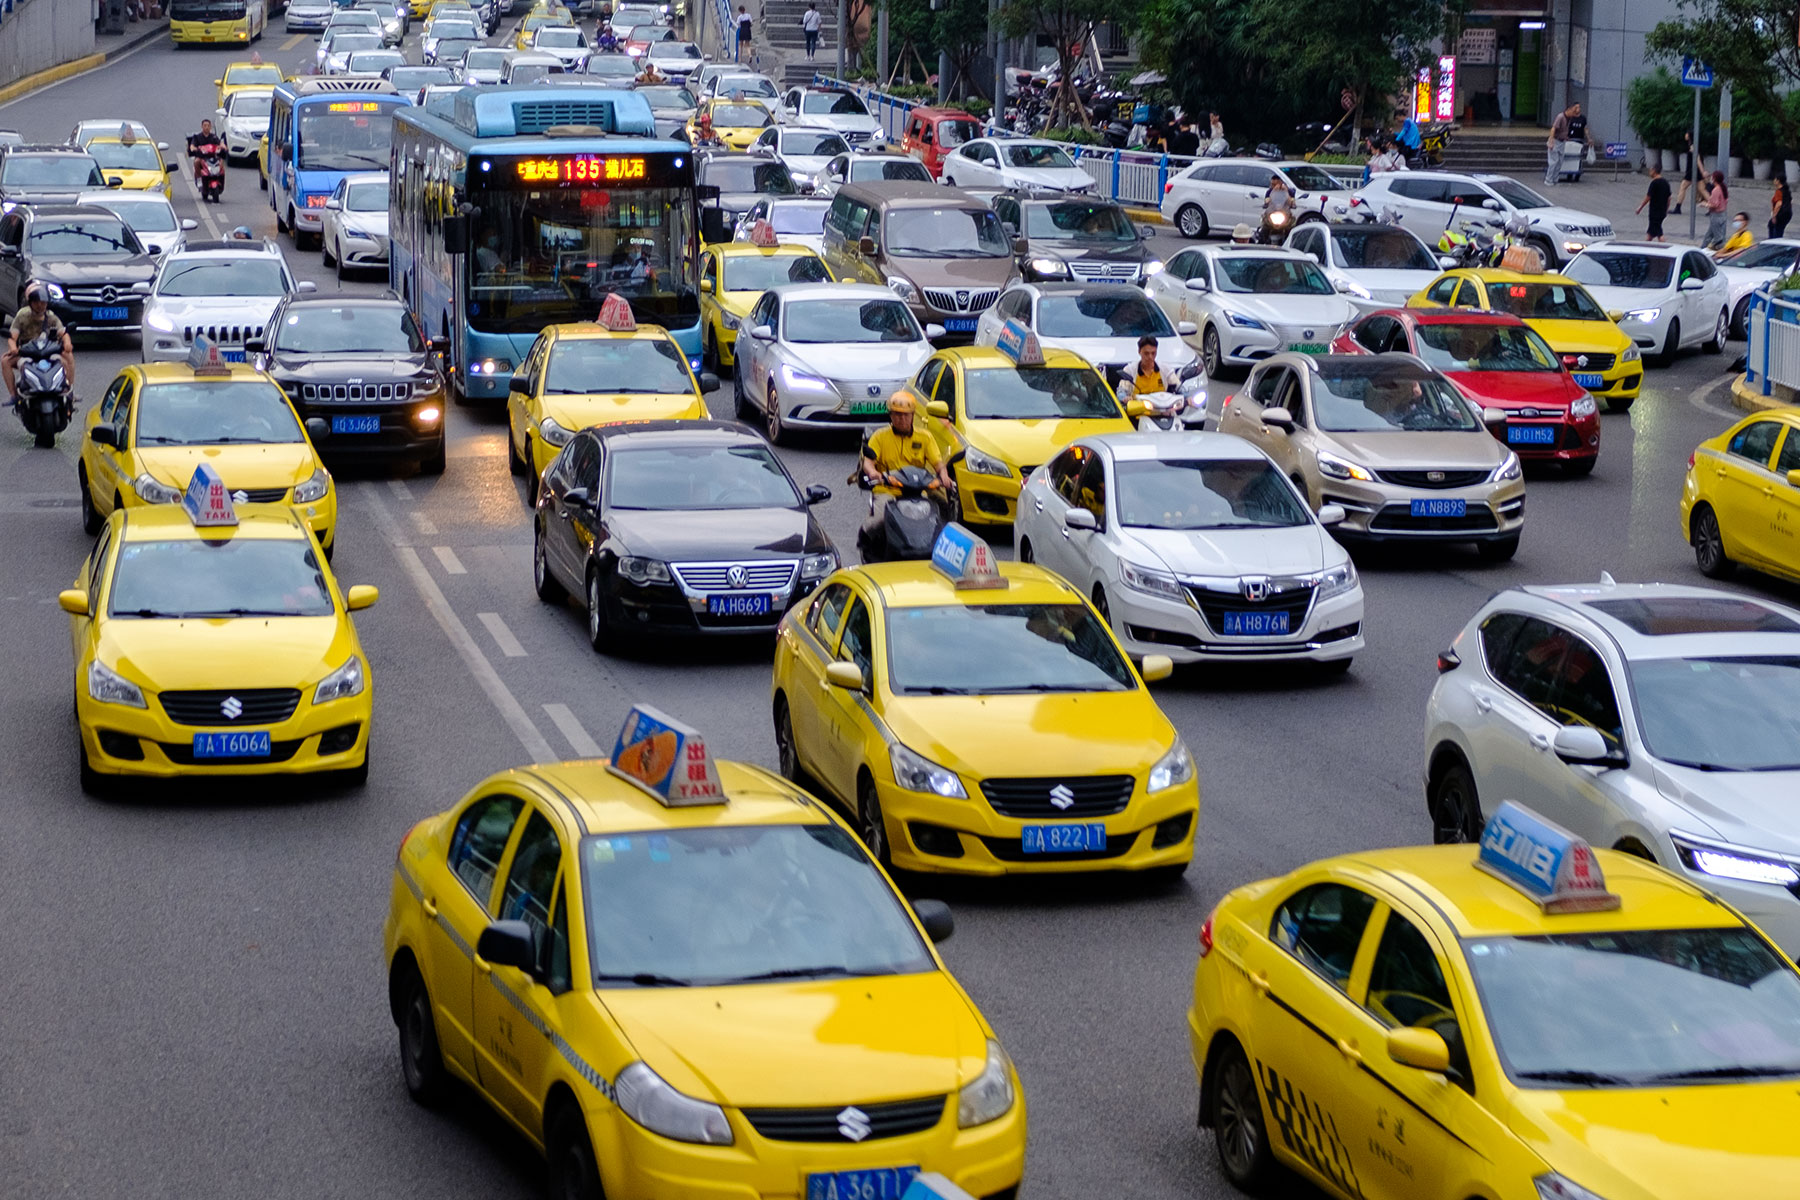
1241,233
36,291
902,402
242,233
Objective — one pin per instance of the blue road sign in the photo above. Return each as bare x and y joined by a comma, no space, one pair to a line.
1695,73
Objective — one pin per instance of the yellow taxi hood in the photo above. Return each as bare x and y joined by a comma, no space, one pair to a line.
808,1043
264,651
1679,1143
1029,443
136,181
578,412
280,465
1078,733
738,137
1575,337
739,304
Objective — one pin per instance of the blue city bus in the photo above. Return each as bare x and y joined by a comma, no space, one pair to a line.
524,206
320,130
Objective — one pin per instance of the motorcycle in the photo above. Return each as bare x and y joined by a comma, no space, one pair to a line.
1277,223
209,168
45,404
910,523
1180,411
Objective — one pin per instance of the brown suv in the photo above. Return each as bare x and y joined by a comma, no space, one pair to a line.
942,251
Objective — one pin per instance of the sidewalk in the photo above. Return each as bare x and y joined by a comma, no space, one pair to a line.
1616,199
107,46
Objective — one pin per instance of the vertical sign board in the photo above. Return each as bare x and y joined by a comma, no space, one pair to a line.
1422,95
1446,87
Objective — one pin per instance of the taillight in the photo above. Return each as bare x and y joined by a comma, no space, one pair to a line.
1206,936
1168,187
401,848
1448,660
1691,458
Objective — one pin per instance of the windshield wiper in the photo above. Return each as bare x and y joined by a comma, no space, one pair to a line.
644,979
148,613
797,973
1733,1072
230,440
159,440
1039,687
1575,1075
1699,766
243,612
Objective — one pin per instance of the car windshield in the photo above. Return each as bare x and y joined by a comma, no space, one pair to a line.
561,37
83,236
667,50
1768,255
219,577
1373,248
741,116
1516,194
802,217
266,73
410,79
1038,156
1611,268
1447,347
956,132
484,58
1545,301
461,30
1104,316
224,277
813,322
348,329
122,156
732,173
345,43
1078,221
1638,1008
1192,493
736,89
150,215
841,104
615,66
251,105
51,170
374,62
741,904
759,273
1270,276
984,649
191,413
1379,397
814,143
1312,179
366,197
688,478
1721,714
946,233
866,170
588,366
1039,393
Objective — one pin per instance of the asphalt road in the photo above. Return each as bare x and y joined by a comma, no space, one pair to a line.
192,1002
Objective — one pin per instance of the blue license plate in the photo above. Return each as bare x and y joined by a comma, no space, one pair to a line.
960,324
1440,508
879,1183
116,312
232,745
356,424
1531,435
1256,624
1063,839
758,605
1589,381
232,355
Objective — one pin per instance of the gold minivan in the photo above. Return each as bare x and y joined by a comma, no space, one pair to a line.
940,249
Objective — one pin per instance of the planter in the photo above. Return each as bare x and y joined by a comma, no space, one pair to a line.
1762,169
1671,162
1793,172
1734,167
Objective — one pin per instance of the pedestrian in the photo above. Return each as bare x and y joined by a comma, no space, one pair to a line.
1691,176
1741,238
1656,197
1781,209
1714,199
1389,159
809,24
1185,141
743,33
1559,133
1216,129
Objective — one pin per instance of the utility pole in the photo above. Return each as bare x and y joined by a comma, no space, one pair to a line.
881,45
843,33
998,37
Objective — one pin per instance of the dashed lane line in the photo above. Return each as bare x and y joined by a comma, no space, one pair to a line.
400,490
423,523
293,41
447,557
570,726
503,637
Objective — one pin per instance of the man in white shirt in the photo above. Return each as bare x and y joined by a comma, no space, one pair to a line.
809,23
744,21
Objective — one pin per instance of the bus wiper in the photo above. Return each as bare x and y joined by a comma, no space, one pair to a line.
643,979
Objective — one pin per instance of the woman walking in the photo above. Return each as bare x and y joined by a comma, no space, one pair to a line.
743,33
1714,200
1781,209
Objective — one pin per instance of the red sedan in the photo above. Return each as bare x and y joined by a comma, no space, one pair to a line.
1497,362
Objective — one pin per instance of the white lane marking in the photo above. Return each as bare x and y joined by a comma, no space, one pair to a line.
423,523
205,209
452,564
571,728
503,637
537,747
399,488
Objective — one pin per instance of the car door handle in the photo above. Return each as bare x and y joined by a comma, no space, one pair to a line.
1768,491
430,906
487,968
1346,1048
1540,741
1259,981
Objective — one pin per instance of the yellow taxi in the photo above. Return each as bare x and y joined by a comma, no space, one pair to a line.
251,74
1740,502
977,717
601,373
536,21
1530,1019
736,120
214,641
137,165
1600,355
157,422
733,277
1000,411
685,979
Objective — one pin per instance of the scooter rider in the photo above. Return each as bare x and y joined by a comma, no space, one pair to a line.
1277,197
901,444
1147,378
205,137
208,148
34,319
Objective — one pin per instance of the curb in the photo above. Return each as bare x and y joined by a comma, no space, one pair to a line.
77,66
1152,216
1748,398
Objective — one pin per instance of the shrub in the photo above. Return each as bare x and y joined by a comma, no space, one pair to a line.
1660,109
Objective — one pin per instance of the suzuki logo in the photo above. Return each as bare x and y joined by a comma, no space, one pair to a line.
854,1124
241,496
232,707
737,577
1061,796
1254,587
962,299
1581,360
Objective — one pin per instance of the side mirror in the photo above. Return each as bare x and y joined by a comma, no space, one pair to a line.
1134,408
934,332
520,384
507,944
708,381
188,224
1491,204
305,286
73,601
1492,417
1278,418
317,429
1080,518
1446,262
939,409
935,916
1615,315
1146,232
1793,478
1186,328
113,181
816,493
1423,1049
142,286
846,675
361,596
456,235
763,333
162,145
334,205
1582,745
104,435
1332,514
866,245
440,344
578,497
253,346
1156,667
1690,284
1198,285
218,83
1020,245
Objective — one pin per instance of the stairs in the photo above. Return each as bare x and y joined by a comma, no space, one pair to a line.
778,29
1508,153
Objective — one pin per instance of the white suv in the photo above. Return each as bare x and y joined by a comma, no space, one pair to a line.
1658,719
1432,201
225,291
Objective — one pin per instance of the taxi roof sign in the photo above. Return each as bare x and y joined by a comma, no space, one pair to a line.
669,760
206,500
206,359
615,314
1019,344
1543,860
965,558
763,234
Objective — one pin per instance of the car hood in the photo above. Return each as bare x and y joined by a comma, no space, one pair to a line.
807,164
341,368
1394,286
281,465
1748,808
951,272
84,271
263,651
1171,352
1325,312
373,222
1575,337
1624,299
1297,550
221,310
882,361
1132,252
1553,390
579,412
685,535
20,194
1031,443
809,1043
1555,215
1077,733
845,122
1055,177
1403,450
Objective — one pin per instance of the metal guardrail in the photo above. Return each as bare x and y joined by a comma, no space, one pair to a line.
1773,325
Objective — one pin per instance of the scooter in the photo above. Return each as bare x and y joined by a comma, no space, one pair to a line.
45,405
1277,223
209,169
1180,411
910,523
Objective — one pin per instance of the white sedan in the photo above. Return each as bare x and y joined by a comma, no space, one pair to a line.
674,61
354,233
871,168
1196,546
565,43
796,222
149,214
1665,297
1751,269
806,149
1249,302
1102,322
1025,163
1375,266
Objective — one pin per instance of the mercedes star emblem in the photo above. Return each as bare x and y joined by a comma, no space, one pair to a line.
1254,587
232,707
737,577
1061,796
108,294
854,1124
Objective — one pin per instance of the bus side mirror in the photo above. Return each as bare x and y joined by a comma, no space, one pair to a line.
715,226
456,235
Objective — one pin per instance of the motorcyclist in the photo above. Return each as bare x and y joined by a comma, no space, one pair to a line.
1277,197
1147,377
205,137
241,234
1241,234
208,147
901,444
607,41
34,319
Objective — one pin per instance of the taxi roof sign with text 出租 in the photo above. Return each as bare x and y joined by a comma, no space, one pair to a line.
1543,860
669,760
615,314
205,358
206,501
965,558
1019,344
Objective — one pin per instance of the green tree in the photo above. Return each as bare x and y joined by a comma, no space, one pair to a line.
1749,44
1068,24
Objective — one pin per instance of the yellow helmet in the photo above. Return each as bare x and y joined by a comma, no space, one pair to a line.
902,402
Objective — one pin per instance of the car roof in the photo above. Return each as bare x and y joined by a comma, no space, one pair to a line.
908,193
593,331
68,211
1672,620
919,585
1449,316
1499,275
99,197
169,522
679,433
1656,249
343,300
45,148
247,247
981,358
747,249
1254,251
1151,447
180,372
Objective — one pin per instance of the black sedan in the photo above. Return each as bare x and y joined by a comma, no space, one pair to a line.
88,260
688,527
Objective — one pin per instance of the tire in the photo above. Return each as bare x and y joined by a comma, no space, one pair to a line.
357,776
709,352
1337,666
545,583
421,1061
434,463
45,439
787,752
262,181
93,783
1025,550
1455,807
1709,544
1721,332
1671,344
574,1173
871,823
91,520
1191,222
1577,468
514,463
1499,550
1239,1132
1545,248
1212,353
773,427
340,261
532,478
326,256
599,626
1099,598
741,408
1740,320
281,226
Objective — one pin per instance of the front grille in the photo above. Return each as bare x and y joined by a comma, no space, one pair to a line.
1425,481
259,495
353,392
1295,600
1398,518
895,1119
859,392
961,299
224,335
1124,271
1595,362
1593,231
535,116
254,706
766,575
182,753
108,294
1010,850
1307,334
1051,796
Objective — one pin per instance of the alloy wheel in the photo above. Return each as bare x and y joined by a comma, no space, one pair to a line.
1709,545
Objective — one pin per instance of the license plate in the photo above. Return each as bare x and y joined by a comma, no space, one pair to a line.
1589,381
863,408
232,355
356,424
960,324
1440,508
1063,839
758,605
1531,435
879,1183
1307,347
117,312
1256,624
232,745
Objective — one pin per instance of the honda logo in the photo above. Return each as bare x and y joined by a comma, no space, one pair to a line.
232,707
854,1124
1434,476
737,577
1254,587
1061,796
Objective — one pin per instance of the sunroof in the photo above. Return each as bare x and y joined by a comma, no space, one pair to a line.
1661,616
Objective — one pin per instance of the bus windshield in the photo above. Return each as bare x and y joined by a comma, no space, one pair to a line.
341,141
207,10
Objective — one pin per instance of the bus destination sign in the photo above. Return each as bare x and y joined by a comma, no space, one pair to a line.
580,170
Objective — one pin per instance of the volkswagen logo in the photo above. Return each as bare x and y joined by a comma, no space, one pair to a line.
737,577
232,707
1254,587
1434,476
1061,796
874,389
962,299
854,1124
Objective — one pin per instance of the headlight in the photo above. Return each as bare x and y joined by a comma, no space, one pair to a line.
109,687
728,320
817,566
160,323
313,487
989,1096
53,290
1745,866
1244,322
1584,406
916,773
1509,469
353,231
648,1099
1175,767
1050,266
553,433
1643,316
1632,354
803,381
902,288
1352,288
1153,267
341,684
644,570
1333,467
1152,581
1335,581
154,491
1557,1187
985,464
